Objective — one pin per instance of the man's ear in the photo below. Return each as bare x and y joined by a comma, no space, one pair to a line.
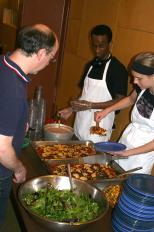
41,54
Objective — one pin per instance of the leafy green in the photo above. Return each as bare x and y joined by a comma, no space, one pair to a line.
62,205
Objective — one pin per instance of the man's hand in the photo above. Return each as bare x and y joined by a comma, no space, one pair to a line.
80,105
9,159
20,174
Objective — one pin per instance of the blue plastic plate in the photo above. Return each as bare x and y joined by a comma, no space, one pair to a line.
109,146
142,184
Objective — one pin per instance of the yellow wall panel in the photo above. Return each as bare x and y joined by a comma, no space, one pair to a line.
68,87
73,36
130,42
76,9
137,14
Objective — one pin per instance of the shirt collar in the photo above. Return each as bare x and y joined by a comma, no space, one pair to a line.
9,63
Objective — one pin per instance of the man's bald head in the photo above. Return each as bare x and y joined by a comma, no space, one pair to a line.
31,39
42,27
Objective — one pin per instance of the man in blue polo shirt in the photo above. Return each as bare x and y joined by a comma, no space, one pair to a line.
36,47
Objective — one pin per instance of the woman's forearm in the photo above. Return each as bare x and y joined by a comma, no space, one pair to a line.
148,147
123,103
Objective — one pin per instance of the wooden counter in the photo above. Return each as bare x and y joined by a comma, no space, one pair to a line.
36,168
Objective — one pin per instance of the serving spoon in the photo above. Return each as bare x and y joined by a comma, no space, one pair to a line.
59,119
128,171
70,176
97,125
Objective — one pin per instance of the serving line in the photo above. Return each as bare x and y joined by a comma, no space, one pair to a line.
36,168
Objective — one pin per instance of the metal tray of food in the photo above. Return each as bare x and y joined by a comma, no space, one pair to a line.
93,158
63,152
103,183
98,174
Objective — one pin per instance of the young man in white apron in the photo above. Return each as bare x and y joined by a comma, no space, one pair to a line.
139,135
103,83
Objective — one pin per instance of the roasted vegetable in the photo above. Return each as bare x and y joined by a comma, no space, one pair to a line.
112,194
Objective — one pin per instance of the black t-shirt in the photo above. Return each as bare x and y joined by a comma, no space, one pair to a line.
116,79
145,104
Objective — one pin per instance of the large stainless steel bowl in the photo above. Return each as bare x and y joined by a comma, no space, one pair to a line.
58,132
62,182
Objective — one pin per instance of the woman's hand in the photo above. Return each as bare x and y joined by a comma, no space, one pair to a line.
99,115
124,153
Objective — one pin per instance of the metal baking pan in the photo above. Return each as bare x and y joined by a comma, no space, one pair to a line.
110,181
86,142
103,182
74,160
102,158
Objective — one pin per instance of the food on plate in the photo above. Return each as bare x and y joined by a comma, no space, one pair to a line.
98,130
64,151
112,194
85,171
62,205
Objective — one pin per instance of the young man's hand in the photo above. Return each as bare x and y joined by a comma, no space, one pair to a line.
65,113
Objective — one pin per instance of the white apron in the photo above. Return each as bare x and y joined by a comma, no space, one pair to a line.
139,132
93,91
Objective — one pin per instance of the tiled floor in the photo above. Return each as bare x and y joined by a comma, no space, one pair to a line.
11,223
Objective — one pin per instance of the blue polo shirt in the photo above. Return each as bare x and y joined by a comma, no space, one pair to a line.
13,104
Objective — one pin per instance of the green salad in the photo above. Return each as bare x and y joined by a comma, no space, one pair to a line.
62,205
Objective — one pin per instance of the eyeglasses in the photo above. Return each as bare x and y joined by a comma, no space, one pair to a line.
53,60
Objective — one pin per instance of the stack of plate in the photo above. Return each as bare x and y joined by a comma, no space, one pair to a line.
135,209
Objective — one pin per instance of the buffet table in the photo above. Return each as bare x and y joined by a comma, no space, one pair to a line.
36,168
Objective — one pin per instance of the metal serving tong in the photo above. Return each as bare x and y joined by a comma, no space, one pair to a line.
119,177
129,171
99,157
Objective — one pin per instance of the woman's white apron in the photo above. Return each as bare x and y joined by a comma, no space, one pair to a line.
139,132
94,91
